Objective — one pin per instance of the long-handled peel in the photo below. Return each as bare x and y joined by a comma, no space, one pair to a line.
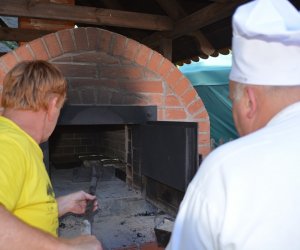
89,212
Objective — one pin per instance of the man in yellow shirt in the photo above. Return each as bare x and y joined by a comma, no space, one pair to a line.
33,94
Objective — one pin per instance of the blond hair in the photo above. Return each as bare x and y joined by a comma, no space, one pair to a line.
30,84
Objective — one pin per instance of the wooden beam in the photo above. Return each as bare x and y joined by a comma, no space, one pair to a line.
205,16
172,8
115,4
83,14
21,35
176,12
222,1
205,45
199,19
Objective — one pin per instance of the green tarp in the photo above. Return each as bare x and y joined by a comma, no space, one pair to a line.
210,79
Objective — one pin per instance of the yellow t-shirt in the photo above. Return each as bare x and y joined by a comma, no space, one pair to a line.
25,187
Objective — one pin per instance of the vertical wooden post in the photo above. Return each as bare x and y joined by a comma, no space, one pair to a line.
166,48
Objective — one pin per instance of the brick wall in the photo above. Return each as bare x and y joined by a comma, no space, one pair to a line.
69,142
112,142
107,68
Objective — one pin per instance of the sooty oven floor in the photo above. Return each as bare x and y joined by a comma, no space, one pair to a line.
124,218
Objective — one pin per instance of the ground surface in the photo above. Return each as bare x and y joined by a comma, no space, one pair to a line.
124,217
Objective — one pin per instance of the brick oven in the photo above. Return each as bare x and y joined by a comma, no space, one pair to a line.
124,101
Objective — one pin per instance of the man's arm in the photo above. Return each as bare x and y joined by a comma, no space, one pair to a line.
15,235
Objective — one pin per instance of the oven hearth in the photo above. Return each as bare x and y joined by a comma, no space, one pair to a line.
124,217
144,168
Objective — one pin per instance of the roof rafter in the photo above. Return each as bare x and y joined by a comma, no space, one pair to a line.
205,16
176,12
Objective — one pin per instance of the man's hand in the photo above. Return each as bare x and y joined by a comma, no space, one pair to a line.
15,234
75,203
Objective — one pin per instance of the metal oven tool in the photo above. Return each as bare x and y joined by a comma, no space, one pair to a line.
89,213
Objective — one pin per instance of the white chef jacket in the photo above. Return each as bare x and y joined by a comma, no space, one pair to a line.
246,194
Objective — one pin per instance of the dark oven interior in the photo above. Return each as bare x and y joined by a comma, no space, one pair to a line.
159,158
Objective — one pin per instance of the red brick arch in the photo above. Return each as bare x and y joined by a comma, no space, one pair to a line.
153,79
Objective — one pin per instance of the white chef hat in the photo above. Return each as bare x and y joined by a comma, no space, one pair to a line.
266,43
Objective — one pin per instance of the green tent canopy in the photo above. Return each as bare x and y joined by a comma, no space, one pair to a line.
210,79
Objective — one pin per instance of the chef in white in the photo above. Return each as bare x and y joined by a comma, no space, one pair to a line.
246,194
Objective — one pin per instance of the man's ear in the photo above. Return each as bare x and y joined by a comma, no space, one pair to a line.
53,108
251,102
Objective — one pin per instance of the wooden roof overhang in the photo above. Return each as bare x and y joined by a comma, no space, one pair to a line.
182,30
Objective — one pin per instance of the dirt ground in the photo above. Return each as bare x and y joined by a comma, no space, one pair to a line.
124,217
